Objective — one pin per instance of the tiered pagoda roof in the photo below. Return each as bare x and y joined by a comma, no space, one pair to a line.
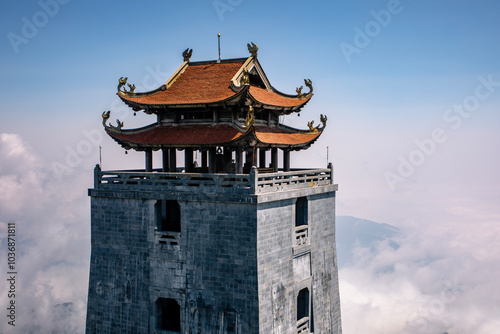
227,103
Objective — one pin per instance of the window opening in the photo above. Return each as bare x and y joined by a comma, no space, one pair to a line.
168,315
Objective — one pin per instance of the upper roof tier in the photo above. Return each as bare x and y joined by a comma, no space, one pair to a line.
198,84
207,104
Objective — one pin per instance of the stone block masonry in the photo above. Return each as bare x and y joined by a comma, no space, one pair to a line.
233,268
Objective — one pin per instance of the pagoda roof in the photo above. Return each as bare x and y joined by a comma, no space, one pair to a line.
157,136
216,82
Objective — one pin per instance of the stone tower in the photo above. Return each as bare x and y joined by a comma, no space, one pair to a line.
232,242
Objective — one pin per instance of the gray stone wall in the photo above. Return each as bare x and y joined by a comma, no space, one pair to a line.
285,268
233,268
118,299
211,272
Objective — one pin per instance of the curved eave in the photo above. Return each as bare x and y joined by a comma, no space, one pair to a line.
266,137
203,103
179,136
276,100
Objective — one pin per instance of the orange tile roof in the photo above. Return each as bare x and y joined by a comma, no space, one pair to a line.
186,135
180,135
275,99
279,136
199,83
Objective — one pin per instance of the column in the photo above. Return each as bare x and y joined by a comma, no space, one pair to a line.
249,158
188,160
239,161
274,158
204,160
262,157
165,165
286,160
149,160
211,159
173,160
227,159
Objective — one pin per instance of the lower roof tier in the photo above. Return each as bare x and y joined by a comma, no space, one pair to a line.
201,136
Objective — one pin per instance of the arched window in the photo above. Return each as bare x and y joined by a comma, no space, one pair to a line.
301,222
301,211
168,315
303,304
168,213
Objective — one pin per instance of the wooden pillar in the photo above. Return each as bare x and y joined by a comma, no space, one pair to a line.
204,160
227,159
188,160
239,161
164,155
212,160
149,160
173,160
262,157
286,160
249,158
274,158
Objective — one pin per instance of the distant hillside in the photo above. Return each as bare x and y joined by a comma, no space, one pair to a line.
356,232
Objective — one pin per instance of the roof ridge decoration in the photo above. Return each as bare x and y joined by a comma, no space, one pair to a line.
253,48
105,117
319,128
250,118
245,77
301,95
187,54
121,83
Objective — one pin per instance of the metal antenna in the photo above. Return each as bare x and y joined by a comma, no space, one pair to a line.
327,160
218,37
100,156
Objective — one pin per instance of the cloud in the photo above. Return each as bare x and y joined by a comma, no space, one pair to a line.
438,280
52,240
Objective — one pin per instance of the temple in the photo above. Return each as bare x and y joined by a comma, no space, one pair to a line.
220,108
225,237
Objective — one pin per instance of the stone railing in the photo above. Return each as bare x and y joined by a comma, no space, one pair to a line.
303,326
253,183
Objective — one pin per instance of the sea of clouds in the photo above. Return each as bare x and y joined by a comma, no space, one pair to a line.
441,277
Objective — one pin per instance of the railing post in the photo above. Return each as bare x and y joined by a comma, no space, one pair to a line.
97,176
330,166
254,179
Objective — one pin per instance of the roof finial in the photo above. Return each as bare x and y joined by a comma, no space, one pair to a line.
253,48
218,37
187,54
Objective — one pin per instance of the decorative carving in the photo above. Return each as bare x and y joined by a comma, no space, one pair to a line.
121,82
301,95
120,124
323,120
245,78
105,117
299,91
250,119
253,48
121,86
187,54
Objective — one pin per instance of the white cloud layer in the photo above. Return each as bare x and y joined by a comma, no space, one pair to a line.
442,279
52,241
439,280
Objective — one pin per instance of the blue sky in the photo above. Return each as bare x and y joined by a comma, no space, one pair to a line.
384,102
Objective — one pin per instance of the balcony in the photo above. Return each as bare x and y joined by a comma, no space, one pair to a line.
252,183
